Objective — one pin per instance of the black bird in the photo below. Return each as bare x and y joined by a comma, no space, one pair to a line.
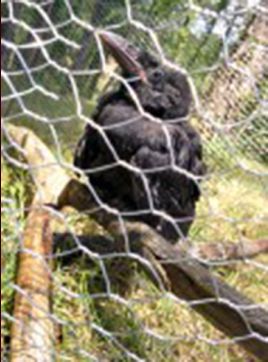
160,187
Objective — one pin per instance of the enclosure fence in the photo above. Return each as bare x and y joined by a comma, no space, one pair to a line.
103,299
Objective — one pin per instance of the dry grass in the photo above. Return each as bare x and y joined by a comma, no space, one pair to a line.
233,206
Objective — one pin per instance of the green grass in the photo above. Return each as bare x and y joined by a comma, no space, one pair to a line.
14,196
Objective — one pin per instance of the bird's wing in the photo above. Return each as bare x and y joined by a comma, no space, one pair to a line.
94,150
160,188
188,149
91,143
167,183
87,149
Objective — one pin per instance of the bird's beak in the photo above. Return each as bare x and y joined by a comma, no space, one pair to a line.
124,53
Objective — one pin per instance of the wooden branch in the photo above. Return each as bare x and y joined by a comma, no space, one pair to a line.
217,302
49,177
193,282
32,333
228,310
235,251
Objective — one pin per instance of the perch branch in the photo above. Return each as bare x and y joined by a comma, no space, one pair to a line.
32,333
231,251
48,176
228,310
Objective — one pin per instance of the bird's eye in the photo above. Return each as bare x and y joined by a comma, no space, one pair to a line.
158,75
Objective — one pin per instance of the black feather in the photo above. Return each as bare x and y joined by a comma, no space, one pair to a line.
144,144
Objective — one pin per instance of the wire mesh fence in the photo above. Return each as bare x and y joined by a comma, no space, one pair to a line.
102,302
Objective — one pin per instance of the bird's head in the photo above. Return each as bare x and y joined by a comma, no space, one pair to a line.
163,92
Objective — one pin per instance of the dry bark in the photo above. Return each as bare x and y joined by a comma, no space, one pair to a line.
32,333
228,310
235,251
48,176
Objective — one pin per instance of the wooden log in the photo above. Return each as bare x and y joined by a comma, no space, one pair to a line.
49,177
231,251
32,333
229,311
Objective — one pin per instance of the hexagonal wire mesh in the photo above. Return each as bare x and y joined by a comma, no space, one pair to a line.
54,69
